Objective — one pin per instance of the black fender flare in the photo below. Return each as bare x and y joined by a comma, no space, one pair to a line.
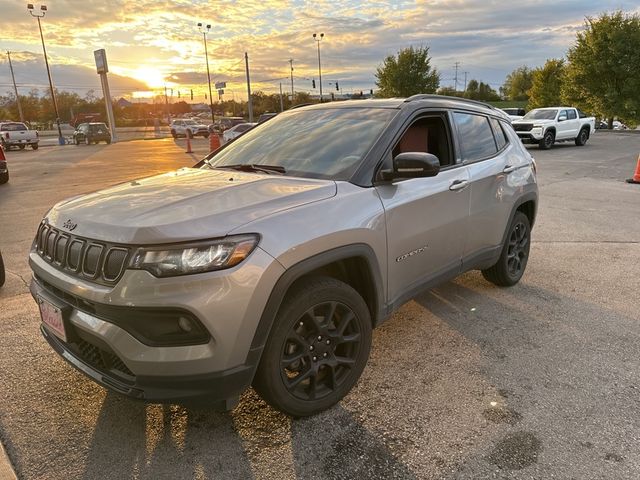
306,266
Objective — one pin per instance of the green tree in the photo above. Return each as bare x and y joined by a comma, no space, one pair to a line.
517,84
408,73
546,85
602,67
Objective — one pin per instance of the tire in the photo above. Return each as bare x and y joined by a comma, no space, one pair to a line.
21,146
4,178
108,142
174,134
76,141
317,349
87,141
1,271
582,137
547,141
515,253
34,146
206,135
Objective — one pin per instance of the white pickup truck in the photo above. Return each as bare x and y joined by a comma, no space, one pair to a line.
17,134
545,126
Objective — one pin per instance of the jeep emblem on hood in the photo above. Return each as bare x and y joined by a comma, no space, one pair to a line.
69,225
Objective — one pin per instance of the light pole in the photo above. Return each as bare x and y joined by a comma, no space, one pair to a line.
318,40
204,32
43,10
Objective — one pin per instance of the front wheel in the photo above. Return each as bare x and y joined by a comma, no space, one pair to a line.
317,349
21,147
515,253
547,141
34,146
582,137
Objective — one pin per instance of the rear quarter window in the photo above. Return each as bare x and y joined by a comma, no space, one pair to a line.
475,136
501,136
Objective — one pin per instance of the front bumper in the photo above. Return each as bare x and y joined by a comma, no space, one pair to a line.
532,136
216,371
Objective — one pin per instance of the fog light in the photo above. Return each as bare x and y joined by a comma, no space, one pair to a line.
185,324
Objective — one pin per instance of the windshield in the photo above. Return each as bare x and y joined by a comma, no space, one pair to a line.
13,127
98,127
327,143
541,115
190,122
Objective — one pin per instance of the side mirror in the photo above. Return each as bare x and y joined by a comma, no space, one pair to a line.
562,118
412,165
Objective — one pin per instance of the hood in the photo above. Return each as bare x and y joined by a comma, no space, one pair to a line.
183,205
534,122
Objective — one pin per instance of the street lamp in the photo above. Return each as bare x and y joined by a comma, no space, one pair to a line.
318,40
204,32
43,11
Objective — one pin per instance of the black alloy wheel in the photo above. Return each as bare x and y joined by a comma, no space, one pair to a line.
515,253
317,348
547,141
582,137
320,350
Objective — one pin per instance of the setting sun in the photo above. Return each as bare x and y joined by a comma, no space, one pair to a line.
153,77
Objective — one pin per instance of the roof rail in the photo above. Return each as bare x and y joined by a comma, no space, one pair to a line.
429,96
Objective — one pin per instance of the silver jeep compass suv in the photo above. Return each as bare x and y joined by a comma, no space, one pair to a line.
270,261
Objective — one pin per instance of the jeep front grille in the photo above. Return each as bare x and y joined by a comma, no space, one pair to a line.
99,262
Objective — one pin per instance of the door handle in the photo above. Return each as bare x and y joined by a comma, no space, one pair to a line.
509,169
458,185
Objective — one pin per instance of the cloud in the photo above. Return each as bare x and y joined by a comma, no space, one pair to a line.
159,39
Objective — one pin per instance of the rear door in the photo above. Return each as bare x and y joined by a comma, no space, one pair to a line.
426,218
491,158
564,125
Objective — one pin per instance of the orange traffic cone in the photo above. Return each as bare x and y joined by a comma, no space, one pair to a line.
636,176
214,142
189,142
2,157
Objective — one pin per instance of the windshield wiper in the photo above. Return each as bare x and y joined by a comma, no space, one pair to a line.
254,167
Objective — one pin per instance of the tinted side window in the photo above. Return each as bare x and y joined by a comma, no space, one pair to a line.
475,136
572,114
501,137
581,114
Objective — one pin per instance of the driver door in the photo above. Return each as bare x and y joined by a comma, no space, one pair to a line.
426,218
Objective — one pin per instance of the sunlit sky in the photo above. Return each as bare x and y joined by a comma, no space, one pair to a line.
151,44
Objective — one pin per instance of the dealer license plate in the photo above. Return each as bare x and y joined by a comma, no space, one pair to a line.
52,318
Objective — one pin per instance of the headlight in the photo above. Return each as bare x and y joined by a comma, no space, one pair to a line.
194,258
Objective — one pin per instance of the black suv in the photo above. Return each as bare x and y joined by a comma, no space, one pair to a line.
91,133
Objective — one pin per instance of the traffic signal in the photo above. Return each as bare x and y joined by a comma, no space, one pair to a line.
313,83
371,91
337,87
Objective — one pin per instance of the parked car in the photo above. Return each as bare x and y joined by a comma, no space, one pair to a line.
546,126
617,125
4,168
515,113
17,134
236,131
93,132
266,116
182,127
225,123
270,261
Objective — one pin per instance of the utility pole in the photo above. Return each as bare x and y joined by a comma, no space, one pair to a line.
206,56
166,104
281,103
465,81
291,64
455,88
15,88
250,100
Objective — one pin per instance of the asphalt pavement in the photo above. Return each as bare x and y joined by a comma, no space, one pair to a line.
467,381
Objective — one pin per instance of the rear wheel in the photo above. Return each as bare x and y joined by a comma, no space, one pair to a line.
317,349
547,141
34,146
582,137
21,146
515,253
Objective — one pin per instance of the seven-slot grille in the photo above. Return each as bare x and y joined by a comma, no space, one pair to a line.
100,262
